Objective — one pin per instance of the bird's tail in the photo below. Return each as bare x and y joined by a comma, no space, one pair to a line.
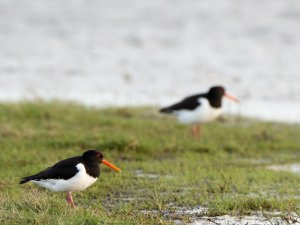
166,110
25,180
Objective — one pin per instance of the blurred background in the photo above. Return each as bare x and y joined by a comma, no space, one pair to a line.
141,52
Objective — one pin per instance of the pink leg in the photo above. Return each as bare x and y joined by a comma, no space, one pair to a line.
70,200
199,130
196,130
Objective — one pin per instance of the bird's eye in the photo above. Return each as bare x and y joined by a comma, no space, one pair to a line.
98,155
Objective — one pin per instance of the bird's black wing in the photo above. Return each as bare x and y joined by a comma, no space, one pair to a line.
64,169
188,103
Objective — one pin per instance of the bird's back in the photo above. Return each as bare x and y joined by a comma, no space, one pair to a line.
64,169
189,103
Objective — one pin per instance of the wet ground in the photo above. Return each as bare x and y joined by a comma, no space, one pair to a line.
197,217
258,219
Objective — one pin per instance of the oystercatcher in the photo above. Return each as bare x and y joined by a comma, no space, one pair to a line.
199,108
72,174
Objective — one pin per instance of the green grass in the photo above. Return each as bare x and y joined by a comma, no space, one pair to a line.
225,171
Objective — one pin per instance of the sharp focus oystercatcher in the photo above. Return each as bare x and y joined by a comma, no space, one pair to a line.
199,108
72,174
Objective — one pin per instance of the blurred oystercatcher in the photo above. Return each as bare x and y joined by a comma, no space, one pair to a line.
72,174
199,108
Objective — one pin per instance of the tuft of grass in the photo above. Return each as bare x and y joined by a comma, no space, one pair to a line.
163,167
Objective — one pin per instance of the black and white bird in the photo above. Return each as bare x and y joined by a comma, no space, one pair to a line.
200,108
72,174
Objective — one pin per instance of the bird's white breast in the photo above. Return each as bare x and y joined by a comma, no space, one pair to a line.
79,182
202,114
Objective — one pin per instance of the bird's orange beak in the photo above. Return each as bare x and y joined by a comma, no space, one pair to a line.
231,97
110,165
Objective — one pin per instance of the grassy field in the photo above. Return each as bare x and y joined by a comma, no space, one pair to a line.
163,168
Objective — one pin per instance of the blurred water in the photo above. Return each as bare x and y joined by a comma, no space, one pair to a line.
139,52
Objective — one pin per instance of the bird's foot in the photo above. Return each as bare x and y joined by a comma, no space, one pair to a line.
70,200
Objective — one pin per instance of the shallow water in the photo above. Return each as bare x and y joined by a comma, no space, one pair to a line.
258,218
141,174
295,168
153,52
249,220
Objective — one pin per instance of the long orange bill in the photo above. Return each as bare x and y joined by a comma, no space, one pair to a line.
110,165
231,97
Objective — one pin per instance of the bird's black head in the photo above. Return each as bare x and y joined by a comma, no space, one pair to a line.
216,91
215,95
92,157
